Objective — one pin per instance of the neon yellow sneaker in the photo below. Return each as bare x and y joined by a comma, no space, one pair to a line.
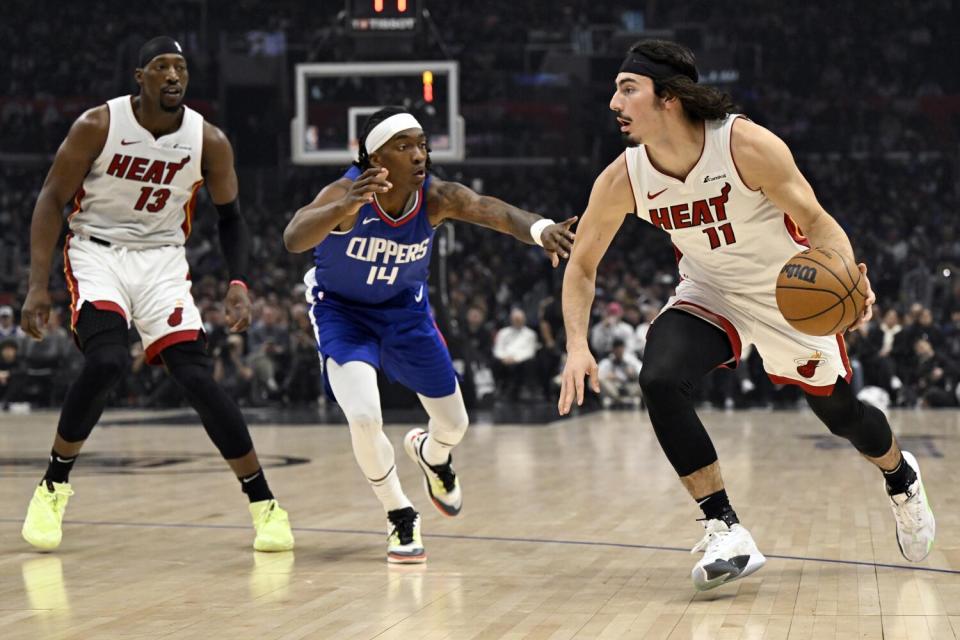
404,544
42,526
273,526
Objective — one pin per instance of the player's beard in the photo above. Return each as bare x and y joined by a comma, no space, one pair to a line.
175,108
629,142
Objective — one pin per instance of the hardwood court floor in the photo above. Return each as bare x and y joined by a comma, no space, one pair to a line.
577,529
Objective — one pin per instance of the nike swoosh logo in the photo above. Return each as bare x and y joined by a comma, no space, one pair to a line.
126,142
651,197
251,478
369,220
419,295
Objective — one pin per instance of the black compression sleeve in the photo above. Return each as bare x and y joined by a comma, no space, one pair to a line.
234,239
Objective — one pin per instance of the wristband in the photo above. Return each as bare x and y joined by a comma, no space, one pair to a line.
240,283
536,229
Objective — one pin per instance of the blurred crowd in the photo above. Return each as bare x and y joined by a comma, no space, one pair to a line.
873,124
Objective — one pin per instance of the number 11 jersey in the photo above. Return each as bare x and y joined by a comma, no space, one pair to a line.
726,235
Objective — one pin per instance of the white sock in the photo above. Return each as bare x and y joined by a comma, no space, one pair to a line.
389,492
448,425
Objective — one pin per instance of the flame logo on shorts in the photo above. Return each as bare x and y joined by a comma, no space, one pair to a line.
177,316
807,367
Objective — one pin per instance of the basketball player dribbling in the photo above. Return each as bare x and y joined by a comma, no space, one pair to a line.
719,185
371,233
133,167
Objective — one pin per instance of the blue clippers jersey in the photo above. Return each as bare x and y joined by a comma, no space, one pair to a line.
380,257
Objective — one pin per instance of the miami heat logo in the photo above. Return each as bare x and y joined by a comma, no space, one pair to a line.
177,316
807,367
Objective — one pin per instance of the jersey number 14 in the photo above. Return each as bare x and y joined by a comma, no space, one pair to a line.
381,273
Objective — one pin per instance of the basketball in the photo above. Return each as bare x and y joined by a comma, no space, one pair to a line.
819,292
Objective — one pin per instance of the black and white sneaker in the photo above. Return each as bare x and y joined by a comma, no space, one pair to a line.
440,481
729,554
916,526
404,545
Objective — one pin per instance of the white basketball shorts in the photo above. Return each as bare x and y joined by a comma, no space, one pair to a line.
148,287
812,363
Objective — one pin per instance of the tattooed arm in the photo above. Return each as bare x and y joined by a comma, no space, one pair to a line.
452,200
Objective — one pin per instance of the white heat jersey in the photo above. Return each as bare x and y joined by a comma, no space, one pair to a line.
141,191
727,236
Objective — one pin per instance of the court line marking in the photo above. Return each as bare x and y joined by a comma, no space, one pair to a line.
454,536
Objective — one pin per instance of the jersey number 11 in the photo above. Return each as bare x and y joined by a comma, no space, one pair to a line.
726,230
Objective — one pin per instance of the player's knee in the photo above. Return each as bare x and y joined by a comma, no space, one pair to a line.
660,382
842,413
365,422
453,426
106,364
189,364
193,377
460,424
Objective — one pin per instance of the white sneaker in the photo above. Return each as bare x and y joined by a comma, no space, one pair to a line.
440,481
916,526
404,544
729,554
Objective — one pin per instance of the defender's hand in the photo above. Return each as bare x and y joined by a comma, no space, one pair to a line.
867,312
35,313
579,364
237,307
558,240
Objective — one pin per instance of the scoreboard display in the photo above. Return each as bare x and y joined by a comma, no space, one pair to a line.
383,16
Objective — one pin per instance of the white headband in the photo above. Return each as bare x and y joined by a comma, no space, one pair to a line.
390,127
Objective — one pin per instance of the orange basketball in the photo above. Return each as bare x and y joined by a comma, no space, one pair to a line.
820,293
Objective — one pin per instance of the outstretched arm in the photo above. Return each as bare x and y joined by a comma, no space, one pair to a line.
76,154
610,201
336,203
452,200
765,163
221,180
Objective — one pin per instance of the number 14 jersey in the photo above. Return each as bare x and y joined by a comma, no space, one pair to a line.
726,235
141,191
380,257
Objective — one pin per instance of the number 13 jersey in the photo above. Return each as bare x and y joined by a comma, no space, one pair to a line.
726,235
141,191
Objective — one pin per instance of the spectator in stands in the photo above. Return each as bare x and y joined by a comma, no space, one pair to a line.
269,349
41,360
640,334
231,372
8,329
879,368
513,350
619,377
301,385
609,329
477,334
11,372
553,339
935,377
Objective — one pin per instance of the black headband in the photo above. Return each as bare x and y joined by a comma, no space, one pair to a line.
638,63
158,47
